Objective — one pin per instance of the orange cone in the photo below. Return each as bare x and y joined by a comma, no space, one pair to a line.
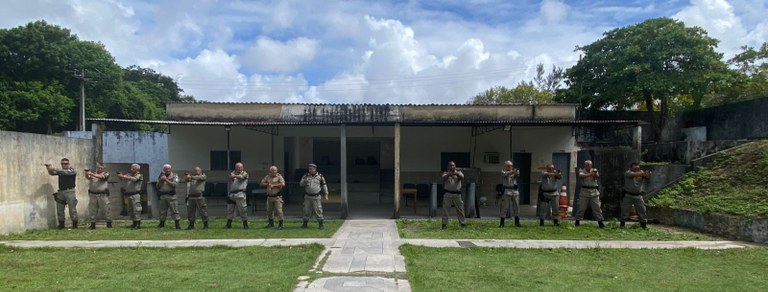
563,204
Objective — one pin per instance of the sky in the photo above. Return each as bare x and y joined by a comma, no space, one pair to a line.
396,52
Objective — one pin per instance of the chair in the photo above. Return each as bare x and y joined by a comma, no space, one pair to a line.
409,189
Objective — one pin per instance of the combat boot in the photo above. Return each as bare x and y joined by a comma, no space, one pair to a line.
541,222
61,225
444,226
556,222
517,221
74,224
320,223
136,225
280,225
245,224
644,225
229,224
577,223
176,224
270,224
191,225
92,226
109,224
205,224
304,224
501,222
600,224
622,223
162,224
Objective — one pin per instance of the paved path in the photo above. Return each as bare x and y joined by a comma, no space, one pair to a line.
364,255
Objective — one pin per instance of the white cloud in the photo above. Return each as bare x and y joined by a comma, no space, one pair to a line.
717,17
211,75
271,55
554,11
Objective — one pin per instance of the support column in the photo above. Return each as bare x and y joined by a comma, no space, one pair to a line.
344,202
397,172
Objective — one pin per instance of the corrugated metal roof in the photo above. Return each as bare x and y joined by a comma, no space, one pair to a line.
412,123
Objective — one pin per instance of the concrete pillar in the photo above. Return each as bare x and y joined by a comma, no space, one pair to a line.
433,201
397,172
344,202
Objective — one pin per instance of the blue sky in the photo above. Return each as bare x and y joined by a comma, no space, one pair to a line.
366,51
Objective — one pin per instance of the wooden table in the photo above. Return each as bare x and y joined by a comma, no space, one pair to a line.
406,192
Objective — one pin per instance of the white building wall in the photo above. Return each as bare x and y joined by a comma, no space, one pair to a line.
136,147
191,146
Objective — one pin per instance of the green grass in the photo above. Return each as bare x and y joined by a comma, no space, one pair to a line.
734,184
488,229
499,269
155,269
149,231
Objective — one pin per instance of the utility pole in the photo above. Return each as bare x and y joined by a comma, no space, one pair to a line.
81,116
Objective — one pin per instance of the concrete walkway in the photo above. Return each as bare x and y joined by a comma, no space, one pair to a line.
364,255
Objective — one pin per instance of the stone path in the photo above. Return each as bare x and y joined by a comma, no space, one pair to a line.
364,255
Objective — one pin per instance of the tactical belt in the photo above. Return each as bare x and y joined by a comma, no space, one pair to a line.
99,193
512,187
589,187
62,190
194,195
128,194
452,192
173,193
549,191
312,195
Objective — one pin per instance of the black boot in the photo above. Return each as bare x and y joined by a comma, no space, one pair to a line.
644,225
162,224
577,222
74,224
270,224
304,224
205,224
279,224
320,223
92,226
229,224
109,224
517,221
556,222
600,224
245,224
444,226
176,224
622,223
136,225
133,225
191,225
501,222
61,225
541,222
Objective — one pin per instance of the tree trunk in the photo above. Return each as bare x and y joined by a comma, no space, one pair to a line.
648,97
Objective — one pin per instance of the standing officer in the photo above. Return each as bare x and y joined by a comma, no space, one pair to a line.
511,196
452,179
314,186
166,187
590,195
195,201
549,179
274,182
132,191
99,195
634,189
66,194
236,198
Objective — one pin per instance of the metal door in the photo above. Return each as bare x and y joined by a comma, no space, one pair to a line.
562,162
523,162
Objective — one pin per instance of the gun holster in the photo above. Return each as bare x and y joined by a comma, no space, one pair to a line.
57,199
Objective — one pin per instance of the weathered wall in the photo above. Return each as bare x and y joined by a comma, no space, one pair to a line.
137,147
26,188
734,227
743,120
685,151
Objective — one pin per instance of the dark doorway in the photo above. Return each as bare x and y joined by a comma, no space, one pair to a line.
562,162
523,162
460,158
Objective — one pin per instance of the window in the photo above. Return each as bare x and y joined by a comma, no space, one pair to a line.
219,159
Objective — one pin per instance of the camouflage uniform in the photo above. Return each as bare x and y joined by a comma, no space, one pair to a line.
66,194
99,198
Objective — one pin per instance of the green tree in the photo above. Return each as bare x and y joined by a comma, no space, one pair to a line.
31,106
539,91
750,79
645,66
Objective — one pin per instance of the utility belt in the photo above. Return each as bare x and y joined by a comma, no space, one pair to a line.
313,195
99,193
195,196
548,191
512,187
452,192
64,190
633,194
171,193
589,187
128,194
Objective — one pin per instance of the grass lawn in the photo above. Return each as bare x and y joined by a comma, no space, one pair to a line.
149,231
155,269
499,269
488,229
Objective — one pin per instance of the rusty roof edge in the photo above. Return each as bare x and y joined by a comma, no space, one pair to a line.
420,122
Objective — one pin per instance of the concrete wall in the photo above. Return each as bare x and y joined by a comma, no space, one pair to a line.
26,188
733,227
685,151
137,147
743,120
